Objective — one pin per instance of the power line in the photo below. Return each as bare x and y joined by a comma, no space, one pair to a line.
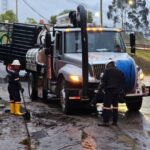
75,2
34,10
4,5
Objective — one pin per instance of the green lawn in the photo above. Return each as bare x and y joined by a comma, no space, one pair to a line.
142,59
145,54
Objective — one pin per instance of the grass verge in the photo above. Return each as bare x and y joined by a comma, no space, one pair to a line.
142,59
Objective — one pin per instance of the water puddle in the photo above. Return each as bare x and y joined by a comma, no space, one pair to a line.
128,141
39,134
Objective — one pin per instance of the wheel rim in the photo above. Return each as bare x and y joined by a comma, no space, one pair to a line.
63,98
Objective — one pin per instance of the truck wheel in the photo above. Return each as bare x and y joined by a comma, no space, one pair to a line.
65,104
32,84
134,104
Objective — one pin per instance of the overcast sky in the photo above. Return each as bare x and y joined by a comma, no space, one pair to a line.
51,7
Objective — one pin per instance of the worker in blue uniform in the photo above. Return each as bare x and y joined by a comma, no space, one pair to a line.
14,87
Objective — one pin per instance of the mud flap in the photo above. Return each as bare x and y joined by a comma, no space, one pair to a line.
147,91
40,87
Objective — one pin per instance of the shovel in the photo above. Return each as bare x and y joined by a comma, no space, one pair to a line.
26,115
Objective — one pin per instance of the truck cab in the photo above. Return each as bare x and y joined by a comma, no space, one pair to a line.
102,44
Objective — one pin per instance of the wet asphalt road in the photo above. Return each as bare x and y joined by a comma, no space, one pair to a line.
52,130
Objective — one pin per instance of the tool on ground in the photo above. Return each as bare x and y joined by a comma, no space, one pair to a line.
26,115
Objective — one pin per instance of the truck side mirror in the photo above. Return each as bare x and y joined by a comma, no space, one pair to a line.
132,42
59,42
48,43
48,40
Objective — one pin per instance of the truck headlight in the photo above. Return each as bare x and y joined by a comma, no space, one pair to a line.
141,75
74,78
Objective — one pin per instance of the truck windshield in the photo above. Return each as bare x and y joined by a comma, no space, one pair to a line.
106,41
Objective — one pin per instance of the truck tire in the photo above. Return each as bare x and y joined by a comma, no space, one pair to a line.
64,98
32,86
134,104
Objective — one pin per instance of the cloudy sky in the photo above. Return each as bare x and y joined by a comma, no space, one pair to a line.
51,7
46,8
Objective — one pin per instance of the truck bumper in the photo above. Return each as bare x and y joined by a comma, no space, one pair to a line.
75,94
145,92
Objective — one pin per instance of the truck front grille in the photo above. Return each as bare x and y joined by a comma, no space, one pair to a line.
97,70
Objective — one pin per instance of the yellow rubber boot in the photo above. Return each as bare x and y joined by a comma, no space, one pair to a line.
12,107
17,109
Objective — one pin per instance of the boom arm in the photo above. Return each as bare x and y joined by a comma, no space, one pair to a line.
82,19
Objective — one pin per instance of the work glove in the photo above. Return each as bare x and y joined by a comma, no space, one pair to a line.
22,90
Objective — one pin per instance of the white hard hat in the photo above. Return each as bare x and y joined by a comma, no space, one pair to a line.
110,61
16,62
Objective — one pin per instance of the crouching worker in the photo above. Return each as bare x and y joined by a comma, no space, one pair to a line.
14,87
99,96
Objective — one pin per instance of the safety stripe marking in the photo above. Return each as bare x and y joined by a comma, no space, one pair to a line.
106,108
17,79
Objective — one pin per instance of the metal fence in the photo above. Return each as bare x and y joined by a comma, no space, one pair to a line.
5,32
140,46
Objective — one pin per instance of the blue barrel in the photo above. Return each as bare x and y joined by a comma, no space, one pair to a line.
128,67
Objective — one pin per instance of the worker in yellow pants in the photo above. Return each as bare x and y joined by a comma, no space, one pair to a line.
14,87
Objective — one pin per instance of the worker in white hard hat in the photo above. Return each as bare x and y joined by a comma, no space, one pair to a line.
113,83
111,86
14,87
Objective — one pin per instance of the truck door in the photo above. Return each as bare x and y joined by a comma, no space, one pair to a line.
58,63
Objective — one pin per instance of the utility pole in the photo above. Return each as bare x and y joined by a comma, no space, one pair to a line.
4,5
122,17
101,12
17,10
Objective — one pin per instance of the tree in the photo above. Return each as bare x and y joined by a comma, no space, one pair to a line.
53,20
30,21
137,13
90,17
8,15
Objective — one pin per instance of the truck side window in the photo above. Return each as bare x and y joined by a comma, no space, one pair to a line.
59,43
119,42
